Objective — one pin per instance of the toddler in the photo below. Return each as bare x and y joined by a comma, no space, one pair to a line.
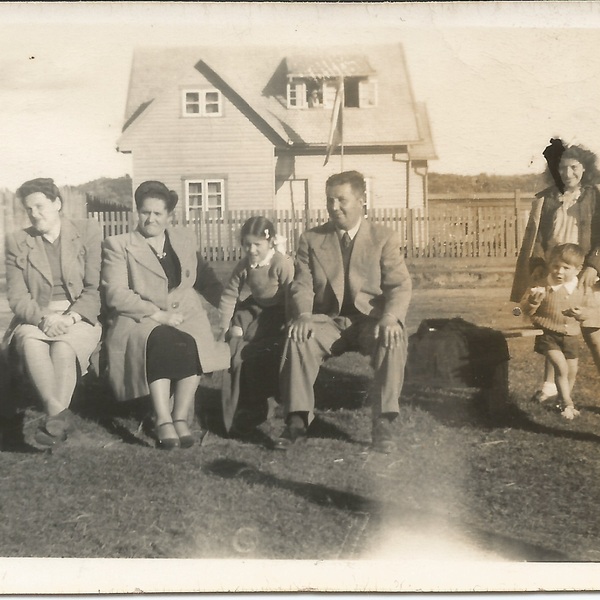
556,308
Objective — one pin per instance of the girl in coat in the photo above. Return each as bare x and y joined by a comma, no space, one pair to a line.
52,275
159,336
252,312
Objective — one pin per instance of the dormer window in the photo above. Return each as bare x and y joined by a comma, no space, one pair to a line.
202,103
312,81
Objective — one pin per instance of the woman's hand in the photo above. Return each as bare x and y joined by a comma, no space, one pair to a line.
588,277
55,324
165,317
579,313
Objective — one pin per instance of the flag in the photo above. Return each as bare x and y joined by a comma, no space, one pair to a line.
336,131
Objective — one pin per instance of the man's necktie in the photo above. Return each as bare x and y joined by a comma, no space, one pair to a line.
346,240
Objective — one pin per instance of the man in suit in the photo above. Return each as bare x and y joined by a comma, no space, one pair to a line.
351,291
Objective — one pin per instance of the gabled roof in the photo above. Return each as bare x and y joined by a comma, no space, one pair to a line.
258,75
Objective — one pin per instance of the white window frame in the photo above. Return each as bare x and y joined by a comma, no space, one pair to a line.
203,206
367,89
202,102
299,88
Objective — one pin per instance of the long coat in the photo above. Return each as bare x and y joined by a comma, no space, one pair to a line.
29,277
539,230
377,275
135,287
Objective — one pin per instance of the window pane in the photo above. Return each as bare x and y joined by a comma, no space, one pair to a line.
192,109
192,97
195,194
212,109
351,92
212,97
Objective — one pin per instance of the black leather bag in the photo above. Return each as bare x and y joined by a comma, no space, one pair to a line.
456,353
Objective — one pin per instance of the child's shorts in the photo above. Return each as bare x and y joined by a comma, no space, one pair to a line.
551,340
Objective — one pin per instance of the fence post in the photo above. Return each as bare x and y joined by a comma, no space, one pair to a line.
410,238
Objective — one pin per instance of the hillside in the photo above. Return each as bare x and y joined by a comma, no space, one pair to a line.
119,191
448,183
107,191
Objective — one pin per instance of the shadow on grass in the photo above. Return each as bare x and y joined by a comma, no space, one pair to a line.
406,519
459,408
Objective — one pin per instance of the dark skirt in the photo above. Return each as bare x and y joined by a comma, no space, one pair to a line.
171,354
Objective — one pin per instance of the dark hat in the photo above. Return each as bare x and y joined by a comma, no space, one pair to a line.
553,154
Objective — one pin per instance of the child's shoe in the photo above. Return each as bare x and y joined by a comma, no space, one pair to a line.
570,412
541,396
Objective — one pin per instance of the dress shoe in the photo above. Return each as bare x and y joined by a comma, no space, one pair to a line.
294,431
165,441
186,440
383,436
54,430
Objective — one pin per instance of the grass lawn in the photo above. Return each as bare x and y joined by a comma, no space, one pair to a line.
461,485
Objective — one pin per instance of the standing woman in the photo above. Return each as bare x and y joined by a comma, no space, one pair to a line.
159,335
566,212
52,275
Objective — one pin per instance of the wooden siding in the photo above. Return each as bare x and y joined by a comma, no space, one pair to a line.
388,179
169,147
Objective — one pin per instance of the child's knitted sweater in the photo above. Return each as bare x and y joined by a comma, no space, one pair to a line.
266,284
548,313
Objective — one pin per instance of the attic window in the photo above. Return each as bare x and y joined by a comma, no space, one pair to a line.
359,92
202,103
312,81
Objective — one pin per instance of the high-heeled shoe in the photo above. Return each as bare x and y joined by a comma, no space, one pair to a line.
183,431
166,442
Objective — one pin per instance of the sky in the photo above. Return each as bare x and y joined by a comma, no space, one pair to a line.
498,79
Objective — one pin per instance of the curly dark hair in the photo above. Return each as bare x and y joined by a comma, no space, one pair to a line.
587,159
557,152
155,189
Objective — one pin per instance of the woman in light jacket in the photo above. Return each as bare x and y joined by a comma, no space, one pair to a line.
158,331
52,275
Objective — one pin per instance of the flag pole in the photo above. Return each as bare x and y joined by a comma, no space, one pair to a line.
343,101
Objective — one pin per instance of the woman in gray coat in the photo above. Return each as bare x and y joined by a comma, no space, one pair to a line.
52,276
158,333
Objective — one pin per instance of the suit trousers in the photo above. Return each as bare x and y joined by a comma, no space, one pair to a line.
331,337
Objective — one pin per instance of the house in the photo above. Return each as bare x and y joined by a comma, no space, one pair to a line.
247,127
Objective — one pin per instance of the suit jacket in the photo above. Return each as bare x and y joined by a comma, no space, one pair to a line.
29,278
135,286
539,231
378,279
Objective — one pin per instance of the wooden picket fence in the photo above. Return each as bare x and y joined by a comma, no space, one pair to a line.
448,231
452,227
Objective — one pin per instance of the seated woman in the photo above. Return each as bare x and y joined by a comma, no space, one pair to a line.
52,275
158,331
